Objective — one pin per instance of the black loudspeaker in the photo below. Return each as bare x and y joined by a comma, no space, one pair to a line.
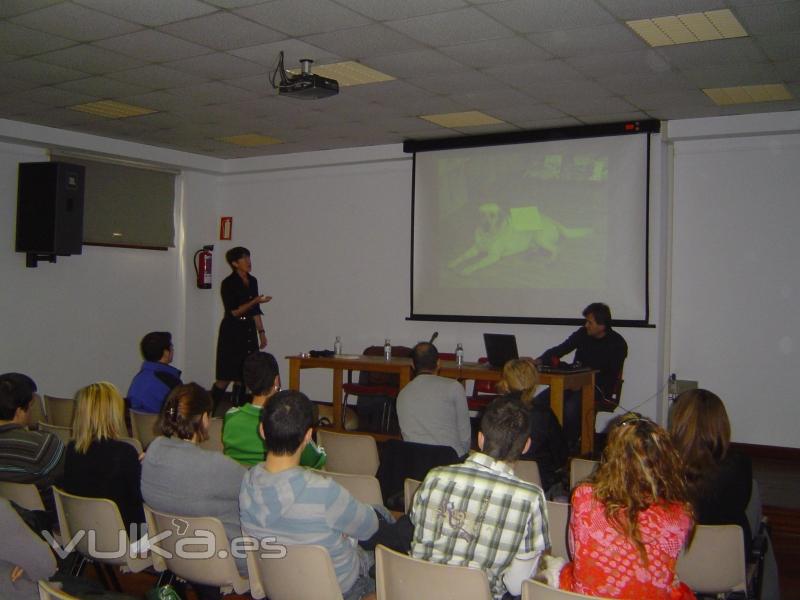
50,209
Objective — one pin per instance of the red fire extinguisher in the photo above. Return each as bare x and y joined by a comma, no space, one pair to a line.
202,267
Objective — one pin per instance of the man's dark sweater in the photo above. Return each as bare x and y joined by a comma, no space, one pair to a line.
607,354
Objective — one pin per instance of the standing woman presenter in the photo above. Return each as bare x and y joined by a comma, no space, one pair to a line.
241,331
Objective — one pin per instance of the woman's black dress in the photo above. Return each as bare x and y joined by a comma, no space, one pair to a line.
237,335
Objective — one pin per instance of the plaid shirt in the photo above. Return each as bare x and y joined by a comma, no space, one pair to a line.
478,514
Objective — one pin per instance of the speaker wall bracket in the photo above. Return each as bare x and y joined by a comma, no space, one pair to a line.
32,259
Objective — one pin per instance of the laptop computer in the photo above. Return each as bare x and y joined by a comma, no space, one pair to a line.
500,348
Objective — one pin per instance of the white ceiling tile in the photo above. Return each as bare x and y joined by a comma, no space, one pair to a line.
497,52
644,62
490,99
102,87
413,64
526,113
650,101
611,37
390,9
12,8
75,22
219,65
731,75
90,59
153,46
363,42
565,91
12,86
160,100
548,15
23,41
223,31
707,54
157,77
293,50
150,12
303,17
533,74
537,124
231,4
627,10
52,96
615,118
780,46
454,83
258,83
487,129
212,92
628,83
13,105
580,107
29,69
450,28
770,18
788,70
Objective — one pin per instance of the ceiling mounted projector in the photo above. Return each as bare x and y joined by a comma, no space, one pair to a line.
303,86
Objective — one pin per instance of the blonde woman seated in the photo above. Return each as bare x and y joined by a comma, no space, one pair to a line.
548,444
97,463
631,520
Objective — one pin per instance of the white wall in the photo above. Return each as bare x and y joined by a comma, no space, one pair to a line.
736,282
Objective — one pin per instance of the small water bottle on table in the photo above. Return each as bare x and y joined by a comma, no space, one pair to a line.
459,354
337,346
387,349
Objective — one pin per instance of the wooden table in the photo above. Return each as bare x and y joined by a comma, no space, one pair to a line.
558,382
400,366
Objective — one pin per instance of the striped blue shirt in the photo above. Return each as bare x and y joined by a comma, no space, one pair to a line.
298,506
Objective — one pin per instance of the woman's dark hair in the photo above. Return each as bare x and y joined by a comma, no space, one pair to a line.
259,372
235,254
505,426
182,413
16,391
286,419
154,344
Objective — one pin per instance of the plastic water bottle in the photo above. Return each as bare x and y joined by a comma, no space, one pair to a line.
337,346
387,349
459,354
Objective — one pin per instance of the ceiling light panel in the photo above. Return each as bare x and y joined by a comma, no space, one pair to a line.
471,118
748,94
348,73
112,110
688,28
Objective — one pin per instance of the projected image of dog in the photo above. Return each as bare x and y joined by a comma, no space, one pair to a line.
501,234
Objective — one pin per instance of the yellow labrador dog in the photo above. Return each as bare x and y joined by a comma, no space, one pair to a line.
497,237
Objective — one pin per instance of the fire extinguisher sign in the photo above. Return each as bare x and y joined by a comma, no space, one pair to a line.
225,228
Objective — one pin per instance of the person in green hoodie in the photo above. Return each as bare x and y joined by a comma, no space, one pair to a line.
240,431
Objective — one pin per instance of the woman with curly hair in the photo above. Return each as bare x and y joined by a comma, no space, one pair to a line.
548,444
631,520
719,480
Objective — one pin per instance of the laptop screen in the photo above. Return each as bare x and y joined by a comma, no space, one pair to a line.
500,348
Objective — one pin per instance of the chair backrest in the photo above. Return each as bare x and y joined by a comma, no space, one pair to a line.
36,412
754,510
364,488
580,469
59,411
137,445
528,470
382,379
557,523
105,538
25,494
400,577
714,562
536,590
349,452
304,573
214,441
210,562
62,433
410,487
143,427
48,591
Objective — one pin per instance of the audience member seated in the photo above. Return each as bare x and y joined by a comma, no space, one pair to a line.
631,520
548,444
26,456
719,479
240,431
156,377
478,513
98,464
25,558
432,409
181,478
297,506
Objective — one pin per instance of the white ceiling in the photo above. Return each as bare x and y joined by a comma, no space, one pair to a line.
203,65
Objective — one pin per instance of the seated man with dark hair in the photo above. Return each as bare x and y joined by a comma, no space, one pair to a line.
156,378
282,500
25,456
478,513
432,409
240,432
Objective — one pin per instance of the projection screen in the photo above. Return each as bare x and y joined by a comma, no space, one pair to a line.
531,232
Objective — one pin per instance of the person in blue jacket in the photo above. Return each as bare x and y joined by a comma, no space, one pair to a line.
157,376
